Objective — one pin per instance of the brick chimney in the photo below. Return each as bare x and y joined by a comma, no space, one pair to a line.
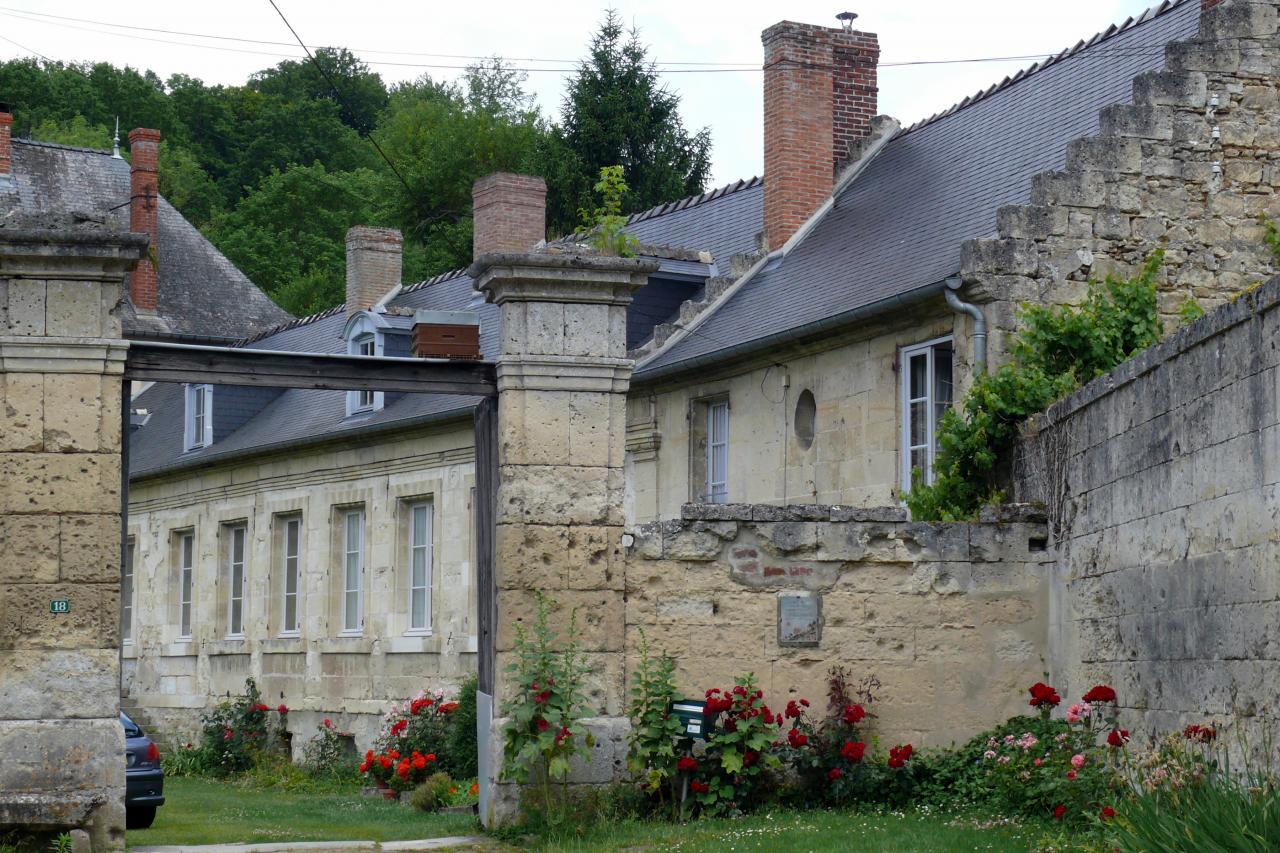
6,147
819,99
510,213
144,208
374,260
1206,5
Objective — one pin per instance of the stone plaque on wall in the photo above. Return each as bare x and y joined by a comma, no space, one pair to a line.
799,618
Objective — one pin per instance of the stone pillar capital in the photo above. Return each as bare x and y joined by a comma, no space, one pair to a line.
591,279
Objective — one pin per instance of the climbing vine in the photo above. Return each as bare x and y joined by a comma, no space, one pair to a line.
1058,348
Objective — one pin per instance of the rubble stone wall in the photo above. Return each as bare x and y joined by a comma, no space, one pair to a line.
950,618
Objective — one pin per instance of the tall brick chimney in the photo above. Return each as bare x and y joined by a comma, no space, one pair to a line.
374,262
144,208
510,213
819,98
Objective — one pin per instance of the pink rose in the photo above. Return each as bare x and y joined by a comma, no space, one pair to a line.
1077,761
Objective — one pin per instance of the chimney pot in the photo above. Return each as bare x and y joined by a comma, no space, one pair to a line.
374,263
144,208
509,213
819,98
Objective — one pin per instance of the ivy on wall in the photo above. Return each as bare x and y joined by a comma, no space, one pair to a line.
1058,349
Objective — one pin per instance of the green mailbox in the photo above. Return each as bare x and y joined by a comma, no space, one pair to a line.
692,714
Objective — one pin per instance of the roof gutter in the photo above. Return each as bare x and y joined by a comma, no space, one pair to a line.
844,318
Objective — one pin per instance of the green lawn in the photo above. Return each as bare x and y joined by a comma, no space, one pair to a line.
802,832
202,811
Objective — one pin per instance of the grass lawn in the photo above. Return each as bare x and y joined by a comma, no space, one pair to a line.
799,832
202,811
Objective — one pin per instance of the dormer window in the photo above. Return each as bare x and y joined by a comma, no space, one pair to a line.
363,338
198,431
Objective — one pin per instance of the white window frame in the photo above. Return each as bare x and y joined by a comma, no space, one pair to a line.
717,491
186,583
927,348
423,550
364,339
291,569
352,551
235,592
127,593
198,417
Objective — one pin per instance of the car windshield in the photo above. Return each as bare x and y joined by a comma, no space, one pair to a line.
130,727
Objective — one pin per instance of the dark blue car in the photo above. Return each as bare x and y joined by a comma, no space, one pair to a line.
144,779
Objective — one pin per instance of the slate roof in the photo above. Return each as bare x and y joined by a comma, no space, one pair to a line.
898,226
201,293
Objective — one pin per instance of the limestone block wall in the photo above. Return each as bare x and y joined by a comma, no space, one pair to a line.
317,673
1162,477
61,361
853,456
951,618
1190,166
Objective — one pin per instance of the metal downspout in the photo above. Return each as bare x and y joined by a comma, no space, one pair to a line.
979,322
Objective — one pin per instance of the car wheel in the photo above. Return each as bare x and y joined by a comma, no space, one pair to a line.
140,818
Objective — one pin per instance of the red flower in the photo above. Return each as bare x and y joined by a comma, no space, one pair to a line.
261,707
563,735
1071,775
750,757
804,702
448,707
393,754
1118,737
417,706
853,715
834,773
686,764
419,761
282,709
796,739
384,761
364,767
853,751
739,691
227,734
402,769
1107,813
1058,812
1202,734
900,755
1043,694
398,727
1100,693
542,724
430,757
699,787
543,697
328,724
793,710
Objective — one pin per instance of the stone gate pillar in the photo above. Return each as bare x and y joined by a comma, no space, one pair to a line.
563,376
61,364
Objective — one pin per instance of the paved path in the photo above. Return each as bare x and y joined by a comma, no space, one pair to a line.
322,846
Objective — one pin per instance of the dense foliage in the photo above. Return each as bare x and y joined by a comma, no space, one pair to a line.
275,171
236,732
1058,348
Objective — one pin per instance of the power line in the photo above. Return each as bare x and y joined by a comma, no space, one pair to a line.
337,96
27,49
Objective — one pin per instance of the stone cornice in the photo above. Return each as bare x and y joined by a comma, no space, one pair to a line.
563,373
61,355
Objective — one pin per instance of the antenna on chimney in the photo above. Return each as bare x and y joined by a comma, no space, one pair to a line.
115,142
846,20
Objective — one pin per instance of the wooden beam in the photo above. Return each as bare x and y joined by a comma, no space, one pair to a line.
163,362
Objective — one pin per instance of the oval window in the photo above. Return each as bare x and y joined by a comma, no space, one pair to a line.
806,415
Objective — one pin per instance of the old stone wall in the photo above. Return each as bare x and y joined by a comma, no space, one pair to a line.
61,362
1162,480
951,618
317,671
1189,167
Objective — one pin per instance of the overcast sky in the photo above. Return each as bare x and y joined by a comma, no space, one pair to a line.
400,31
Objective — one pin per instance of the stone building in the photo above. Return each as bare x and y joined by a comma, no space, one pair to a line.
795,345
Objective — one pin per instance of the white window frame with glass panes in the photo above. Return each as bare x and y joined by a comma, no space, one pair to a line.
198,419
291,564
926,372
717,491
186,582
365,341
237,546
352,603
126,594
421,536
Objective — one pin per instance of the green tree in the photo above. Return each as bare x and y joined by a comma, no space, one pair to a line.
77,131
617,111
359,93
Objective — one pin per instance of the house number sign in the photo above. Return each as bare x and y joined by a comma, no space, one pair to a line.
60,605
